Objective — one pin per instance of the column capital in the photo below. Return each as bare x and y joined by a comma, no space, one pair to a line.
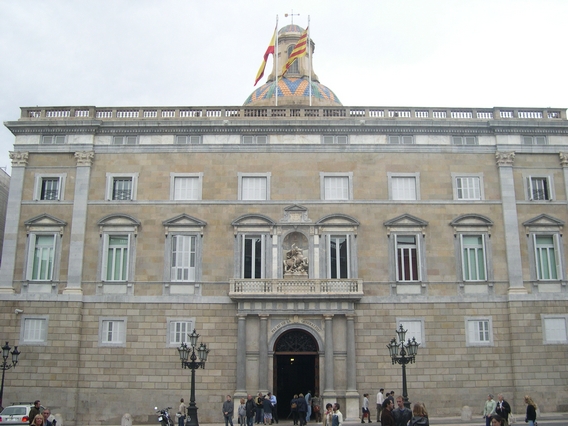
505,158
19,159
563,159
84,158
328,317
263,316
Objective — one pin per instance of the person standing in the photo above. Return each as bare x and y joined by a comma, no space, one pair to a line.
337,417
302,408
489,409
531,411
419,416
242,413
46,414
267,408
294,409
327,415
309,404
34,411
503,409
274,403
182,411
228,409
250,410
386,416
365,409
401,414
380,400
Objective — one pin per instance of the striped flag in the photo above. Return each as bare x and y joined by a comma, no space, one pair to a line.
299,50
269,51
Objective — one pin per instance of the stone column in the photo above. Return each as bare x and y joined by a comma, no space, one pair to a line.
19,163
79,222
263,354
352,409
241,355
564,163
510,222
329,386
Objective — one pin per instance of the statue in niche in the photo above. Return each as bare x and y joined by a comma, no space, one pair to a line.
295,262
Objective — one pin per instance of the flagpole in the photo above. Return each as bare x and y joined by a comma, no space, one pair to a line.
310,60
276,66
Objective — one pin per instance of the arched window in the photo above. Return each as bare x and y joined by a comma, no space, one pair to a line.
294,68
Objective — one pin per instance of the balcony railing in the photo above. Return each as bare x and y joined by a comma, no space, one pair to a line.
296,288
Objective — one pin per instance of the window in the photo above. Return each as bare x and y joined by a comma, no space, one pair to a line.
414,327
53,139
183,257
335,139
464,140
121,186
188,139
407,258
254,139
294,67
338,261
468,187
336,186
178,329
473,257
115,265
125,140
401,140
546,256
34,330
479,331
254,186
404,186
112,332
42,256
186,186
554,328
49,187
539,188
253,260
534,140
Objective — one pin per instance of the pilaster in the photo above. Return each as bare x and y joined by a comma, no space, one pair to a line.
505,162
263,354
79,222
352,398
329,385
241,356
19,163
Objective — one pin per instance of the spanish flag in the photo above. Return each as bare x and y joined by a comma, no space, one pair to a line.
299,50
269,51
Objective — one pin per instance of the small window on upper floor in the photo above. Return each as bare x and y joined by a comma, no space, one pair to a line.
336,186
468,187
254,186
125,140
335,139
34,330
555,329
112,331
479,331
188,139
121,186
254,139
464,140
59,139
399,139
404,186
185,186
534,140
49,187
539,188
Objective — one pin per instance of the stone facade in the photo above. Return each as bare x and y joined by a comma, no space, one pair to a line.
383,228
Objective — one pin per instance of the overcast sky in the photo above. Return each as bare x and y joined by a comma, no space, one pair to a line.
454,53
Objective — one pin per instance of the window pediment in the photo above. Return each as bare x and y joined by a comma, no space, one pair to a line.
45,222
543,222
471,222
406,222
253,223
296,213
338,222
184,222
119,222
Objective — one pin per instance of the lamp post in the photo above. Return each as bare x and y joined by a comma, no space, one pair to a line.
5,366
188,352
403,354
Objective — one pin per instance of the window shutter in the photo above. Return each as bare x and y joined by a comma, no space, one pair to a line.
328,139
407,140
342,139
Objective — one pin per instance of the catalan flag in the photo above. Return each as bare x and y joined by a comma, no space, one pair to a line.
269,51
300,49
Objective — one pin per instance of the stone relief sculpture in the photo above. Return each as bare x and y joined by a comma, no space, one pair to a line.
295,263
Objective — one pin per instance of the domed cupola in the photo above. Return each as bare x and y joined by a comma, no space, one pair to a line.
294,87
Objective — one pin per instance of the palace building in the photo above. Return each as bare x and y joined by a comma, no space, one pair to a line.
295,236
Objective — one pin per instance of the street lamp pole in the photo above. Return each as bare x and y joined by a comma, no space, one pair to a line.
5,366
189,352
403,354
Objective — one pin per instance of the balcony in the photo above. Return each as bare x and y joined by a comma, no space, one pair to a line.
313,289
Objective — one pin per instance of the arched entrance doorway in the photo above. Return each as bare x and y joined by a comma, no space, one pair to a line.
296,368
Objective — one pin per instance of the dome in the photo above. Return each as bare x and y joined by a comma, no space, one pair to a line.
293,91
292,28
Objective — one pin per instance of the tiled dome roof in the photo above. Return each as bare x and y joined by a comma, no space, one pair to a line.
291,29
293,91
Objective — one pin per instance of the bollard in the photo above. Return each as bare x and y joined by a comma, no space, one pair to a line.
466,413
126,420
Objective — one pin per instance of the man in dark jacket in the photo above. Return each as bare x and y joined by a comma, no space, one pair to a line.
250,408
386,416
228,409
35,410
302,407
503,409
401,414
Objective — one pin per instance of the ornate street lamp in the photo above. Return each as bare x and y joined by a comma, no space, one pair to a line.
403,354
5,366
188,352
